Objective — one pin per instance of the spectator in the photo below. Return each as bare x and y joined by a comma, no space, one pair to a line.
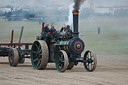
46,29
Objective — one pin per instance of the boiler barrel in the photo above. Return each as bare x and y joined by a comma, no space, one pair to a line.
73,46
62,45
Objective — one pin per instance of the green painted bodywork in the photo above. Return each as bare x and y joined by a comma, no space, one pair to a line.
62,42
62,45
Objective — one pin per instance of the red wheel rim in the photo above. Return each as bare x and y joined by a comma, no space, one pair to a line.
10,57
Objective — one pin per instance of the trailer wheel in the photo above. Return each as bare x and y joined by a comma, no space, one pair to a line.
39,55
13,57
61,61
70,66
90,61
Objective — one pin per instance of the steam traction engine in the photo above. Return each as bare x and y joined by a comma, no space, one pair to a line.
63,48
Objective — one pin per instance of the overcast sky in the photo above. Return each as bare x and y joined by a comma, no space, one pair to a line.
45,3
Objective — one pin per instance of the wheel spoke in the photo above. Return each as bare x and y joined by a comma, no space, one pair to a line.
89,54
60,65
38,62
87,64
34,52
92,57
90,66
40,50
37,46
92,63
36,59
60,59
36,55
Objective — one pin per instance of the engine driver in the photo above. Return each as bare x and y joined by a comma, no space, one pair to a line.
46,29
52,30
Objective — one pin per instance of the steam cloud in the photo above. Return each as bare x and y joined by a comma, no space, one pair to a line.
77,4
70,17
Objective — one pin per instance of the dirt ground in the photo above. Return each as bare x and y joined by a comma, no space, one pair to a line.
111,70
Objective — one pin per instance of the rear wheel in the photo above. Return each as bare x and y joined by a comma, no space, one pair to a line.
61,61
39,55
90,61
13,57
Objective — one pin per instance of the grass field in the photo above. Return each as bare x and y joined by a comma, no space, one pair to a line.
112,40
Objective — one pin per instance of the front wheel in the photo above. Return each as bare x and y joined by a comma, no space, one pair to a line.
61,61
90,61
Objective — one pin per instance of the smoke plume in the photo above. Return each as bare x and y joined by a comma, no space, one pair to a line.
70,17
77,4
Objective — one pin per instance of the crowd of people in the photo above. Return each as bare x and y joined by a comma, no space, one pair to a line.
53,30
65,31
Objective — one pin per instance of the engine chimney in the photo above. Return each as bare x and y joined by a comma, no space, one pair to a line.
75,23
